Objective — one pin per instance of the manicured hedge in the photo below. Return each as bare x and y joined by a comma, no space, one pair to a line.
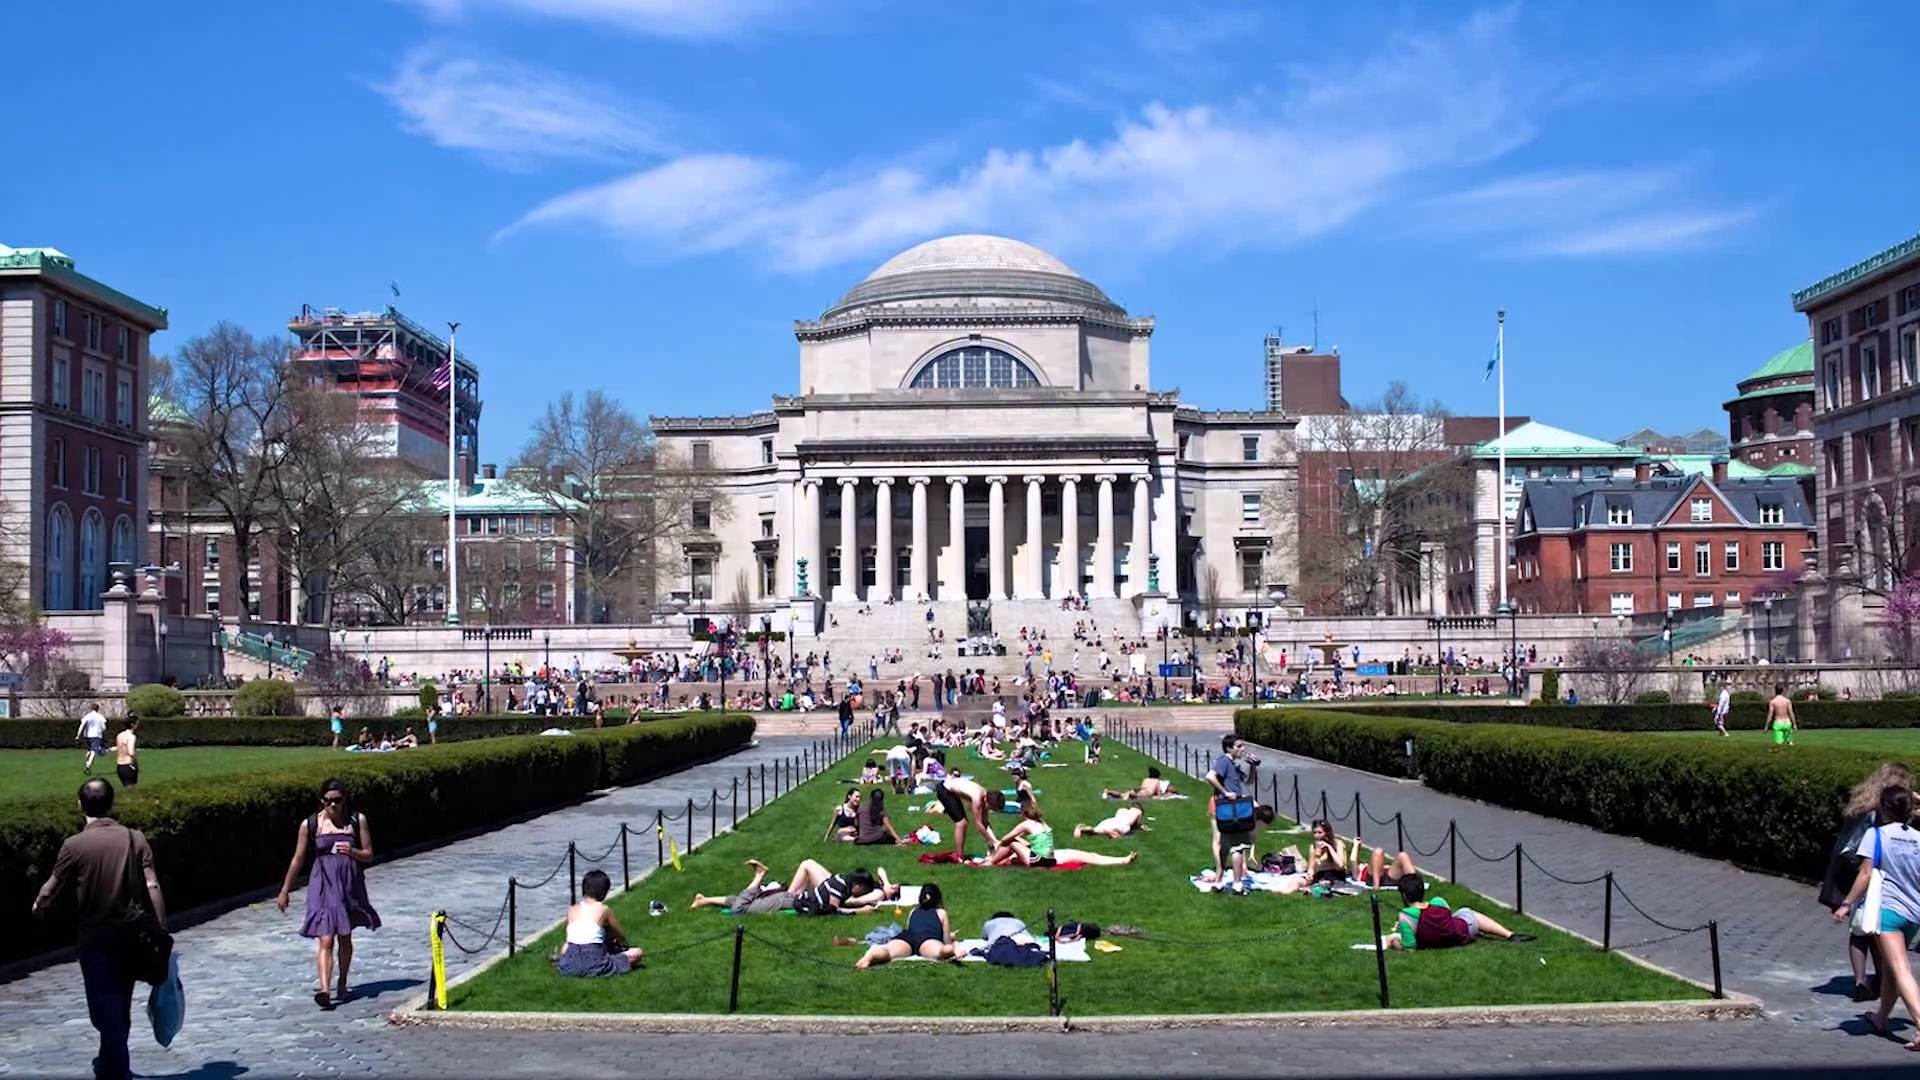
220,837
1745,715
275,730
266,697
1755,806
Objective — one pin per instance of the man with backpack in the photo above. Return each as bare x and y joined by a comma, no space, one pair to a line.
1431,924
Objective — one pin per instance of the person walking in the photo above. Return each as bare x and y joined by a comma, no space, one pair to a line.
339,843
126,752
93,732
1893,848
108,870
1780,716
845,709
1722,707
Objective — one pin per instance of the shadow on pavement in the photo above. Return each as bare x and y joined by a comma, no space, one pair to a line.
212,1070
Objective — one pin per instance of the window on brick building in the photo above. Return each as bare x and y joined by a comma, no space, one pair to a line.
1733,596
1620,557
1700,510
62,383
1673,557
1702,559
1673,601
1703,599
1732,555
91,473
549,558
57,462
120,478
1869,372
93,392
545,596
1831,371
60,319
1909,299
1910,358
1620,603
123,402
1619,513
211,598
546,525
1773,555
210,554
123,348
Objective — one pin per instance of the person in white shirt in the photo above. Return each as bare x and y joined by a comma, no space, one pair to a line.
1721,708
93,732
1893,848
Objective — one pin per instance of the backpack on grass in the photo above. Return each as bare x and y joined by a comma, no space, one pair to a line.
1440,928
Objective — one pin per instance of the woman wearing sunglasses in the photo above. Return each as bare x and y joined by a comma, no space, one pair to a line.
339,844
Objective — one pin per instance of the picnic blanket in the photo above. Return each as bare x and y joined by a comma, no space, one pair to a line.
1067,952
978,861
1262,882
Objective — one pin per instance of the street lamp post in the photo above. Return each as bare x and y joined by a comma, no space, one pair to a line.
164,665
1512,611
546,645
1768,604
766,669
486,674
1666,634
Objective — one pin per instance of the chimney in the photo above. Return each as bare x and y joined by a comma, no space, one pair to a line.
463,471
489,472
1720,470
1642,471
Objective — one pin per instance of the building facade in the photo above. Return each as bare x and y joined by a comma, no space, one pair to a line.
74,360
976,429
1645,543
397,370
1770,421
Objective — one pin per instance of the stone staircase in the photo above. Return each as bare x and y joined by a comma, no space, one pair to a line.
853,632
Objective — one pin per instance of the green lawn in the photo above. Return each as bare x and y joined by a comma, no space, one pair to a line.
1872,740
1203,953
36,773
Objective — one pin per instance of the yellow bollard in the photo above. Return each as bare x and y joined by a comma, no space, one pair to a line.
438,991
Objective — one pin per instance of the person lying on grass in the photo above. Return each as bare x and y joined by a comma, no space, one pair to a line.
1126,820
596,943
929,935
813,890
967,803
1030,843
873,826
1383,874
845,816
1150,788
1431,924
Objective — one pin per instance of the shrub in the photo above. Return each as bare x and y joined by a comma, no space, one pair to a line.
1762,809
429,698
1748,714
1550,686
156,702
266,697
265,730
1748,697
409,712
1901,695
219,837
1817,693
1653,697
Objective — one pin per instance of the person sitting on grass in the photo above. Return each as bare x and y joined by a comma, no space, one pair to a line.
1153,787
870,773
1431,924
900,767
1093,748
872,826
845,817
1127,819
1326,862
928,935
596,943
1030,843
814,890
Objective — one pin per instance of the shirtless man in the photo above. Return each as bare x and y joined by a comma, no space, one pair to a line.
1151,788
1127,819
1780,716
126,754
966,802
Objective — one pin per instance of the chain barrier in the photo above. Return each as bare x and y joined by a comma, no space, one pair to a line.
803,957
1643,914
603,856
447,932
1418,850
683,947
1476,853
1375,820
1597,879
1282,935
556,873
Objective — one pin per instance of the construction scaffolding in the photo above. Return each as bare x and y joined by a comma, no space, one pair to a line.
389,362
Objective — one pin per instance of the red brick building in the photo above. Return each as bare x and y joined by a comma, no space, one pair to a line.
1621,547
73,422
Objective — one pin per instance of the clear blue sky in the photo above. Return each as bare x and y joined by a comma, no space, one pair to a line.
641,195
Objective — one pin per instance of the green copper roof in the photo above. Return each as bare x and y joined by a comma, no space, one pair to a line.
1790,469
58,265
1535,439
1702,465
1773,391
1797,360
1872,264
497,496
164,410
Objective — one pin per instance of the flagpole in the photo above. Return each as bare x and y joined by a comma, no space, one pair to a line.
453,480
1500,361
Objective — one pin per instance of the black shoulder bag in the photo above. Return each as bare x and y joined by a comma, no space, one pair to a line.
146,947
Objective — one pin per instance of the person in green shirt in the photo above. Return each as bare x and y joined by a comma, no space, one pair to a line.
1465,927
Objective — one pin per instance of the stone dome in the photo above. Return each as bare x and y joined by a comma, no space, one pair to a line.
988,271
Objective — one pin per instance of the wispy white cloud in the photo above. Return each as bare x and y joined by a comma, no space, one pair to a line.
513,114
1337,144
665,18
1196,29
1623,211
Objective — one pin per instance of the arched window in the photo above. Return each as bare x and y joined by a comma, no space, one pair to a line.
93,552
971,367
122,539
59,594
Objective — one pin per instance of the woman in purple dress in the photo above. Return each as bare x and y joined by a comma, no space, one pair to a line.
339,843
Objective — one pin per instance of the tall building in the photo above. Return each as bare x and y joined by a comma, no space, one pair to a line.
394,366
1301,380
1770,422
73,425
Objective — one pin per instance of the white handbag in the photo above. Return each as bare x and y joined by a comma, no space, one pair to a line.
1866,914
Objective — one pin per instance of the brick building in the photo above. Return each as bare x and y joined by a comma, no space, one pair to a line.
1770,421
73,382
1650,543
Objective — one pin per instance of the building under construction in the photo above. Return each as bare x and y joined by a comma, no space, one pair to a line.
396,368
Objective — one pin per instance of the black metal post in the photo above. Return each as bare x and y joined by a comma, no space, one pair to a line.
1713,942
733,822
1606,917
1273,790
486,679
689,825
1296,800
778,765
806,760
626,864
573,876
1358,822
713,814
1379,951
659,838
513,915
1324,815
763,785
1519,887
1453,854
1399,832
1053,967
733,989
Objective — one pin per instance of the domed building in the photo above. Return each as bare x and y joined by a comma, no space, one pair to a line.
976,432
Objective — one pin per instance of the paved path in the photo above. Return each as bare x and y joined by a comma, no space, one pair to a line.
249,975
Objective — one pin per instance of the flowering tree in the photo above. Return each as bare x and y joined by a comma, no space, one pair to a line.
1900,618
32,648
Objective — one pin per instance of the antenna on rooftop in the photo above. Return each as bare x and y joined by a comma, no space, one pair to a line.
1316,324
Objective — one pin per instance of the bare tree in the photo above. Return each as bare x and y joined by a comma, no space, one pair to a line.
1210,594
392,576
1619,669
239,401
740,603
597,465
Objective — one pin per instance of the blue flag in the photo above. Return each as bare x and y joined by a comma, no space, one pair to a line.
1491,361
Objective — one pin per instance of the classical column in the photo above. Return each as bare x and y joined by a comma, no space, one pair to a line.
882,539
1102,584
996,538
917,560
1142,518
810,547
847,589
1032,584
953,585
1066,581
